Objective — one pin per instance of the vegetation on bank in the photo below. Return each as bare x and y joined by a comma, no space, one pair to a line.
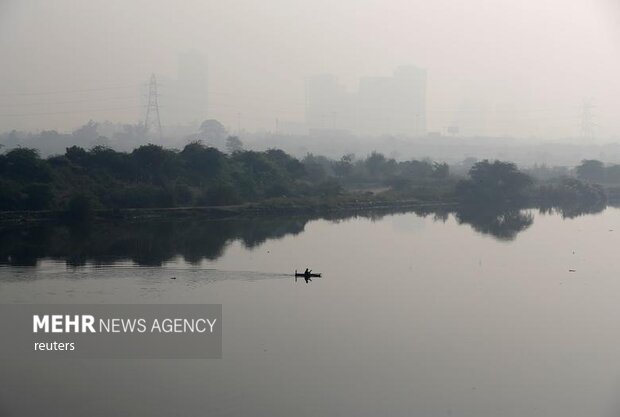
81,181
151,176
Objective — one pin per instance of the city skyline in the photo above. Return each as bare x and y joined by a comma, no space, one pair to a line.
519,69
380,105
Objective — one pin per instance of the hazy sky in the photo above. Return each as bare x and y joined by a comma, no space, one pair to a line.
540,58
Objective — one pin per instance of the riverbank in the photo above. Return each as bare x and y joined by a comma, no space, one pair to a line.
303,206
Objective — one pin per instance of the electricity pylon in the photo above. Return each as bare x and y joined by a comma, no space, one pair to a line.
152,121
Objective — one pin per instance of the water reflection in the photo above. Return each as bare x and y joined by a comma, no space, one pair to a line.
503,224
506,222
570,211
152,243
144,243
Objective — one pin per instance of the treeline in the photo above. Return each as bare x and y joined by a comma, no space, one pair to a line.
596,171
119,136
198,175
150,176
49,142
501,184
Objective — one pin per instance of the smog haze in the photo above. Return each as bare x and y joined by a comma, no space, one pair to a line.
522,69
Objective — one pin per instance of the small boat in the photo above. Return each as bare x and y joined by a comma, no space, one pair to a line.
308,275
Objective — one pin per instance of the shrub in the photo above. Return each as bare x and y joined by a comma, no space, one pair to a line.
220,195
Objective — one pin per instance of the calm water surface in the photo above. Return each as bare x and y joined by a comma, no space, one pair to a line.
414,316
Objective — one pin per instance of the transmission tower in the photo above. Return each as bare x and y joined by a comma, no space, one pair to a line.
587,121
151,121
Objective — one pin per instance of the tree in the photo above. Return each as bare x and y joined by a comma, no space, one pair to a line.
613,174
153,161
591,170
314,168
289,165
77,155
213,132
202,163
441,171
375,163
108,162
497,182
131,135
344,167
234,144
24,164
87,133
417,169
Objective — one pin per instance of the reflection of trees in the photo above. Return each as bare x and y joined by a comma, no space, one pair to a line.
570,211
506,221
20,246
571,198
502,223
151,243
145,243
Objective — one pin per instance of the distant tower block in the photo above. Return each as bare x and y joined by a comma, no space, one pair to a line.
587,121
152,123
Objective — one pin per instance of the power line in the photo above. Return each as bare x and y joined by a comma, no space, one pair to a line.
53,103
42,93
68,112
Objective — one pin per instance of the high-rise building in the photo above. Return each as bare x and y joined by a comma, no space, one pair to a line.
394,105
328,104
184,99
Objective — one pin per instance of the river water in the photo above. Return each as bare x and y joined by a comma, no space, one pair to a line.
415,315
